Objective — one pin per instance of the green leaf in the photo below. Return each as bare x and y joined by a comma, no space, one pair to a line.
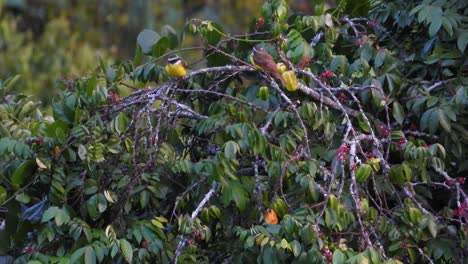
147,39
230,149
3,194
363,123
296,248
432,226
435,17
393,261
430,120
379,59
363,172
462,41
126,249
99,252
23,198
213,33
239,195
374,254
9,83
76,255
398,112
61,217
82,152
91,206
280,207
121,123
171,34
24,171
338,257
330,217
396,175
49,213
443,120
101,203
138,55
161,46
415,215
89,256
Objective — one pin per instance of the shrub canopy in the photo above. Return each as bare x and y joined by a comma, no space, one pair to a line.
363,161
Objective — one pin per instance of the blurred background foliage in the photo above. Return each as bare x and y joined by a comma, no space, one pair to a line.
48,40
412,53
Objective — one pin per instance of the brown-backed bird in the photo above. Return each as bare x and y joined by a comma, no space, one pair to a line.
262,60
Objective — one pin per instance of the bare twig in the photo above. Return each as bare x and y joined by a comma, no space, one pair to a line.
183,240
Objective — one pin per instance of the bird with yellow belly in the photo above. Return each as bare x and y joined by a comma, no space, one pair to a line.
176,67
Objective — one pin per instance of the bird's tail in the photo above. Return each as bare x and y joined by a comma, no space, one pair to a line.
278,76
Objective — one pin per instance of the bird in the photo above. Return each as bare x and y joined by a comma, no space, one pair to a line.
262,60
176,67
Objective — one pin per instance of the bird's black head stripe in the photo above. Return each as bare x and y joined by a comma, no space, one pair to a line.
173,59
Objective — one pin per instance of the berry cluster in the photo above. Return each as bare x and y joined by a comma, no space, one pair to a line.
342,152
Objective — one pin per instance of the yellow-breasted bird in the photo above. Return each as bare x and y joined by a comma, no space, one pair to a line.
176,67
262,60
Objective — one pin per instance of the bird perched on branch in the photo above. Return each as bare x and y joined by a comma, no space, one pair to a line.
176,67
262,60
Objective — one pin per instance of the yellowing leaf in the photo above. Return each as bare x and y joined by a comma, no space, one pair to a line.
40,164
108,197
157,223
56,151
161,219
271,217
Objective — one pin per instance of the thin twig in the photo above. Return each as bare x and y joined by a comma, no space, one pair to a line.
183,240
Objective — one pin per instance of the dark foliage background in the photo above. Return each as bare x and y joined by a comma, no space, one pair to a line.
360,158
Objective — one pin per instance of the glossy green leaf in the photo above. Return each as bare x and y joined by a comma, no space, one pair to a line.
76,256
338,257
89,256
462,41
432,226
3,194
23,172
161,47
61,217
363,172
213,33
398,112
230,149
444,121
126,250
147,39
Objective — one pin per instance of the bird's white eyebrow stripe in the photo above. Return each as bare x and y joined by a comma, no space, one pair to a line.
173,59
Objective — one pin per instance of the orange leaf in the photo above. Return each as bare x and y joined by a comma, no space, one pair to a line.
271,217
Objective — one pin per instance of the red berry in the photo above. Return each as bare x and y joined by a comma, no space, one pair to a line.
260,23
402,141
144,244
39,140
450,182
342,152
342,97
114,97
384,131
